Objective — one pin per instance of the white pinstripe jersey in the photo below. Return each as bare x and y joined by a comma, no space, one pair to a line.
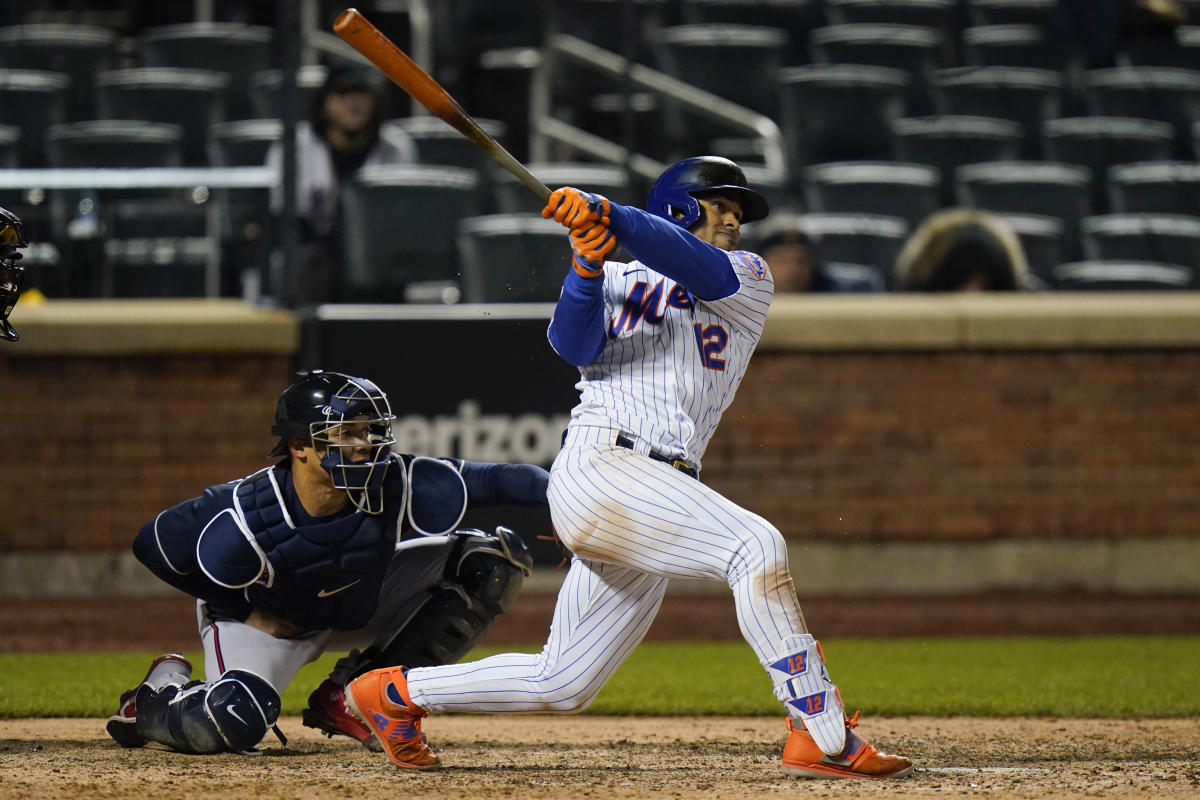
672,362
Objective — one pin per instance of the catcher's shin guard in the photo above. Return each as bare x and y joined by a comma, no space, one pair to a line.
232,713
170,669
802,683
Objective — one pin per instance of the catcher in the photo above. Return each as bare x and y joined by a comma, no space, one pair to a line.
341,544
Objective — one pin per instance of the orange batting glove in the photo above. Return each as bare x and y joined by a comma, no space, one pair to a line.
591,245
575,209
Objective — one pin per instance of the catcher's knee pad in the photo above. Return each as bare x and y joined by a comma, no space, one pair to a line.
232,713
483,578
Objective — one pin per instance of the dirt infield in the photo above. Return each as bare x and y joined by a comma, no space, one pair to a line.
610,757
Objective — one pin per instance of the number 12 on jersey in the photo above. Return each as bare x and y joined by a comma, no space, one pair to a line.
711,341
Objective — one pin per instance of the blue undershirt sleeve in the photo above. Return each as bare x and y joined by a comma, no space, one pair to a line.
698,266
577,329
504,483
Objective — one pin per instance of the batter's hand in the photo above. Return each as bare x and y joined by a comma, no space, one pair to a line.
593,243
575,209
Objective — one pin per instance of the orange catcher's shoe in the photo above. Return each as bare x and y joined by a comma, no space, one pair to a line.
803,759
380,699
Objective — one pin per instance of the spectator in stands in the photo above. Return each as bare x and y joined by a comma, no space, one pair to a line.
962,250
343,134
797,266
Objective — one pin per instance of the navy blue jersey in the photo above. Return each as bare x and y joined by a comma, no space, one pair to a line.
250,544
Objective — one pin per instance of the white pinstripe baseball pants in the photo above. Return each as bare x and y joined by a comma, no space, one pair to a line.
632,523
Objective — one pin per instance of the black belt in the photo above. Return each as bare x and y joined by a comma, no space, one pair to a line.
624,441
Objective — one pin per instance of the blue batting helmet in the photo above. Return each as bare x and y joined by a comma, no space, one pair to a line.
677,187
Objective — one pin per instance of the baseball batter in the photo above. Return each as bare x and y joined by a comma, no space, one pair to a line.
662,343
341,544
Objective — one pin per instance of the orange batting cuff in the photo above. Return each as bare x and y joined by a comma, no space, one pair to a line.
585,272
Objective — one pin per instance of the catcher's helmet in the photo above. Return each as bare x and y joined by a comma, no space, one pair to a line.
12,274
679,184
324,409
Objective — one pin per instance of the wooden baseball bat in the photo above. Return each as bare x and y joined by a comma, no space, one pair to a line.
364,37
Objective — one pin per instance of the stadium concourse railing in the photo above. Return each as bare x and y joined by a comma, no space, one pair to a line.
570,49
201,181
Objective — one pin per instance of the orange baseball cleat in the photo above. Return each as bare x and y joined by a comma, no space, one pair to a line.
380,699
859,759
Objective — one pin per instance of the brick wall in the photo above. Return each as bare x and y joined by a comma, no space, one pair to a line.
958,445
95,446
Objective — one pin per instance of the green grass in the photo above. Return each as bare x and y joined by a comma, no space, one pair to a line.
1110,677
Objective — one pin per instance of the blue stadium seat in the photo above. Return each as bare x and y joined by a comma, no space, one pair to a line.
1155,187
836,112
510,258
400,230
78,51
894,189
948,142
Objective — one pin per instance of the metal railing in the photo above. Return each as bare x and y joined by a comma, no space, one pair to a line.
565,48
197,179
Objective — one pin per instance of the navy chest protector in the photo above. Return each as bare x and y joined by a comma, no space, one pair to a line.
325,574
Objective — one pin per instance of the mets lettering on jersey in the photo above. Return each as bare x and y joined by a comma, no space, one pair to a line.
672,361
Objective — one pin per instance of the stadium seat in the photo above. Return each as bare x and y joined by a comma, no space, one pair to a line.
948,142
438,143
836,112
243,212
78,51
511,258
10,143
114,143
242,142
1009,12
157,267
796,17
192,98
922,13
1155,187
266,87
1050,189
235,49
911,49
1043,242
1160,93
513,197
869,240
1123,276
1012,46
736,62
1167,238
1025,95
42,99
400,231
1100,142
894,189
1180,48
731,61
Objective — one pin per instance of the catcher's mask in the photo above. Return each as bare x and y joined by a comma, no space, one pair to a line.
12,274
340,416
